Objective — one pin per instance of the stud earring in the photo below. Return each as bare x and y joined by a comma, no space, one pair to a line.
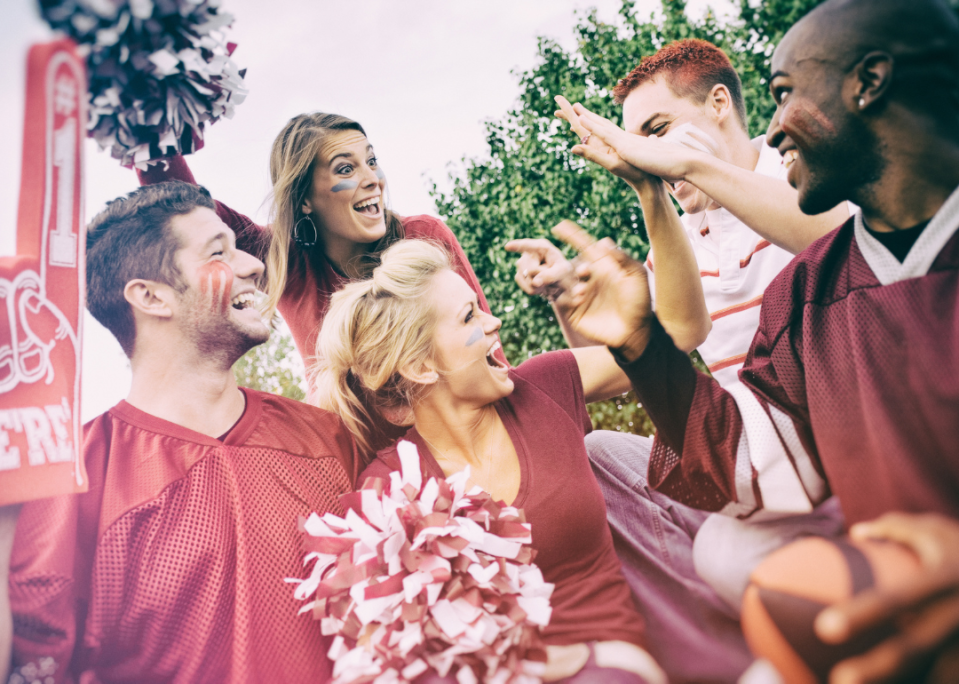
862,102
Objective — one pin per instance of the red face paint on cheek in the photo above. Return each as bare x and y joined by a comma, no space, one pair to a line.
805,123
216,284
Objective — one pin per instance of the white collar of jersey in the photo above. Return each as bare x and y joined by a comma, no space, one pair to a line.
934,237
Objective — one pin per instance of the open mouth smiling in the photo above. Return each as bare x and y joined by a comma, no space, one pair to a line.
492,360
243,301
368,207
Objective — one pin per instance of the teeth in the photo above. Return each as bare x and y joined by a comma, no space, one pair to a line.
366,203
492,350
789,157
242,301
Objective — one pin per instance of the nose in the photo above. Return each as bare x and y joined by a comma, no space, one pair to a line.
774,134
369,178
491,324
245,265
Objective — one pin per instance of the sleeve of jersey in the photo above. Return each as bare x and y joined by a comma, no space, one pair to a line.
249,236
734,450
43,593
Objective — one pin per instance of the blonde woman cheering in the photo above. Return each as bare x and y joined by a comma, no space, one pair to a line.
414,335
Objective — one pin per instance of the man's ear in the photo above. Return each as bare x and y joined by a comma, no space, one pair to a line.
871,78
719,103
422,373
150,298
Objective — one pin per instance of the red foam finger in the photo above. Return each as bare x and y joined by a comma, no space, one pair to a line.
43,286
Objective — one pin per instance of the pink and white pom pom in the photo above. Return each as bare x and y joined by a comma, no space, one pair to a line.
419,576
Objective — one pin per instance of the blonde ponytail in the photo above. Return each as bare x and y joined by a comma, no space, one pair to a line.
373,329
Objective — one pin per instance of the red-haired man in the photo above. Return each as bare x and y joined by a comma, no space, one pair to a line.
742,225
851,384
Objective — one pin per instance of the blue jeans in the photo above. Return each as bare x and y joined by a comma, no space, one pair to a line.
690,631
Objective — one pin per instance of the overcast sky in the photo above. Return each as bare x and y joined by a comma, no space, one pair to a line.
420,75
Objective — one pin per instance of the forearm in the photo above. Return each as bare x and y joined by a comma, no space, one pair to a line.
600,373
665,381
680,303
250,237
768,206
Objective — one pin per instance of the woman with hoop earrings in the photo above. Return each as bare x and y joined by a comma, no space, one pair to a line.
329,224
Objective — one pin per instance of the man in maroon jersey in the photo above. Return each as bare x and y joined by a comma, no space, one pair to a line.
851,385
171,568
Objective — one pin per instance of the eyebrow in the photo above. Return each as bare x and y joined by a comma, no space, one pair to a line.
776,74
348,155
219,236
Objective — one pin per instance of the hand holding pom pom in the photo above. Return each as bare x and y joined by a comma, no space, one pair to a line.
157,72
419,576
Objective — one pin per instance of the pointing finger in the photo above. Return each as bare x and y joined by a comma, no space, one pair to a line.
527,245
573,235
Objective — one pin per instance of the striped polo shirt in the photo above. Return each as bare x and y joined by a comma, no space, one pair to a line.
735,265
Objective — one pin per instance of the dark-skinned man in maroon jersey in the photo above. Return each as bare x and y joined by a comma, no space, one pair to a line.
851,385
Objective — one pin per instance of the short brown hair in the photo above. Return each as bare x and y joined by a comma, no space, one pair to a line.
691,68
132,238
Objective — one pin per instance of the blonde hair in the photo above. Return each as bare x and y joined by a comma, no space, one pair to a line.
292,160
373,329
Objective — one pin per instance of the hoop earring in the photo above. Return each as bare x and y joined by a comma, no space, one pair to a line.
301,240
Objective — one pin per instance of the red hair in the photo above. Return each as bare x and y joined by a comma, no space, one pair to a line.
691,68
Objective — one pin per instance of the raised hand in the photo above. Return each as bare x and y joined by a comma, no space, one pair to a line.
669,157
610,303
597,151
541,269
924,611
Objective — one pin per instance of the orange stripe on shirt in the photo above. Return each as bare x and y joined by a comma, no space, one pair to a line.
736,308
726,363
712,274
763,244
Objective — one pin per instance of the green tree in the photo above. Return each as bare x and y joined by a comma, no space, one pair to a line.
529,181
273,366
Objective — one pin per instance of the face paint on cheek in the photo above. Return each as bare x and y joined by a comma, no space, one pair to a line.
804,122
216,284
380,174
475,336
345,185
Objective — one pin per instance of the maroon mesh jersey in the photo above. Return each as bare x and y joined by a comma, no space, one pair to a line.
171,568
851,384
